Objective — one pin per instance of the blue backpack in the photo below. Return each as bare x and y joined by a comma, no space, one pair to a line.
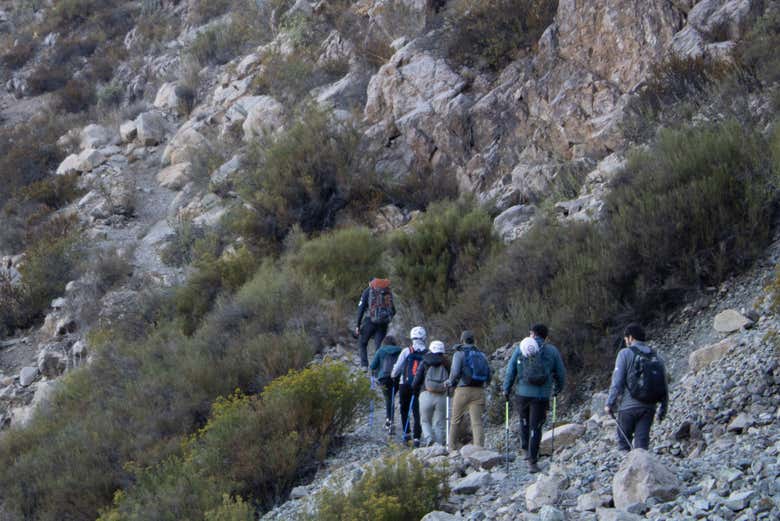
476,370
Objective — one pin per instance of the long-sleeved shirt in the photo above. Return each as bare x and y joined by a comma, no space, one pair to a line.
456,371
400,364
363,306
618,391
553,364
430,360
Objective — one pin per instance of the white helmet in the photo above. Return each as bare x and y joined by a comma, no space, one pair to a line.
418,333
437,346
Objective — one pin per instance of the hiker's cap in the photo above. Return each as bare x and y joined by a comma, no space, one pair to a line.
467,337
418,333
436,347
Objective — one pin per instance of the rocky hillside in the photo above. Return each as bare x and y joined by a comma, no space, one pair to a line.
190,182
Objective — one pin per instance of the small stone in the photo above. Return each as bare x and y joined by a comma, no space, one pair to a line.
739,500
549,513
299,493
486,459
730,320
613,514
27,375
741,423
471,483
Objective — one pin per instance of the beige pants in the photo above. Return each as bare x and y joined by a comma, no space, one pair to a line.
469,400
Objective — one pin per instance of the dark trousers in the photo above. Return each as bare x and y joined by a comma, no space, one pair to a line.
390,390
635,424
369,330
405,393
532,412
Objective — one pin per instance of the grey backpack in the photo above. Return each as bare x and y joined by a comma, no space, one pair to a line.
435,377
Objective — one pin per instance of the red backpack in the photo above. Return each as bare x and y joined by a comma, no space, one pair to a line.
380,301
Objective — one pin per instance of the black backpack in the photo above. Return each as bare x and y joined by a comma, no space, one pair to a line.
476,370
386,368
380,301
413,362
646,378
534,371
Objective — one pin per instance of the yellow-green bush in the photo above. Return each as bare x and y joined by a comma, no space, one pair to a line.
489,33
340,263
232,509
399,488
447,245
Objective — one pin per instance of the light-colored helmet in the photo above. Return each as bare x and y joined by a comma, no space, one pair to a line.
437,346
418,333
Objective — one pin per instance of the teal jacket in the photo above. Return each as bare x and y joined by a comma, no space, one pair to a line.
553,365
376,363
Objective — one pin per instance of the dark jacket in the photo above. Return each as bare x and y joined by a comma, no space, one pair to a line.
553,365
380,355
618,391
457,367
430,360
363,306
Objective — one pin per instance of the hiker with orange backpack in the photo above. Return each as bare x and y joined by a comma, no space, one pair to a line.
409,362
375,312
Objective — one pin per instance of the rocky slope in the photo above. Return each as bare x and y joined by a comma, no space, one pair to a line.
714,457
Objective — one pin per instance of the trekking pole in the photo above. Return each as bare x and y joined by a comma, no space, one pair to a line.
408,417
448,421
506,428
371,405
554,418
622,432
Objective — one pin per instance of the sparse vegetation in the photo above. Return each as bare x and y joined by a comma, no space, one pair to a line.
216,45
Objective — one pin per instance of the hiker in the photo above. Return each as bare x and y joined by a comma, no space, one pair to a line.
469,374
409,361
375,311
430,380
639,383
537,367
382,367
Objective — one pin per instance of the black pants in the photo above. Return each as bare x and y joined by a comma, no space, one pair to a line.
390,390
635,424
369,330
532,412
405,392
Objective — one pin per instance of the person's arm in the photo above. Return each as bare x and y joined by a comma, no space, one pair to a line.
618,381
457,360
664,408
362,305
419,378
375,361
399,364
511,372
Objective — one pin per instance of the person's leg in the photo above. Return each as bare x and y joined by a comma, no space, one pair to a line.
387,392
644,422
380,332
440,419
537,415
405,396
457,416
416,413
476,409
523,404
626,423
366,333
427,405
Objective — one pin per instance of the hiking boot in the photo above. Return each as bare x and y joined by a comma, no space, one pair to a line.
391,430
533,468
416,443
388,424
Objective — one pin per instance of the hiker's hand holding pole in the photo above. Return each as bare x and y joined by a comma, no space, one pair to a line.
608,410
357,332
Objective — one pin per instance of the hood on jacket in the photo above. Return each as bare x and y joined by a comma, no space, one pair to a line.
433,358
642,347
419,345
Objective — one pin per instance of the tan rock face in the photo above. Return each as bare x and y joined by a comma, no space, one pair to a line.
703,357
641,476
619,40
565,436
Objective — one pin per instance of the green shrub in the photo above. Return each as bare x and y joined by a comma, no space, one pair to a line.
76,96
397,489
232,509
420,187
178,249
216,45
70,48
45,78
447,245
758,49
201,11
304,177
488,33
340,263
55,191
287,78
18,54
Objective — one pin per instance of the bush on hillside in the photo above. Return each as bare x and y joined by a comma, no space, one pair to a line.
46,78
340,263
396,489
216,45
489,33
201,11
304,177
76,96
18,54
54,191
758,50
447,245
287,78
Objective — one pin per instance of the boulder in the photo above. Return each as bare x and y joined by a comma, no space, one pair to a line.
175,176
299,492
264,117
613,514
438,515
471,483
739,500
27,376
150,128
128,131
97,136
741,423
486,459
545,491
704,356
223,176
166,97
388,218
730,320
84,162
550,513
52,361
591,501
642,476
565,436
187,145
514,221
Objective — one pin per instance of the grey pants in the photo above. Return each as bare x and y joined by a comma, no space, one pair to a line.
433,417
635,424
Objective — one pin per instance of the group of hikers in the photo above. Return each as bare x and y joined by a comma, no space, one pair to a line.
424,379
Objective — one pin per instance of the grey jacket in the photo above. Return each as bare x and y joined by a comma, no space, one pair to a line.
618,391
457,368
